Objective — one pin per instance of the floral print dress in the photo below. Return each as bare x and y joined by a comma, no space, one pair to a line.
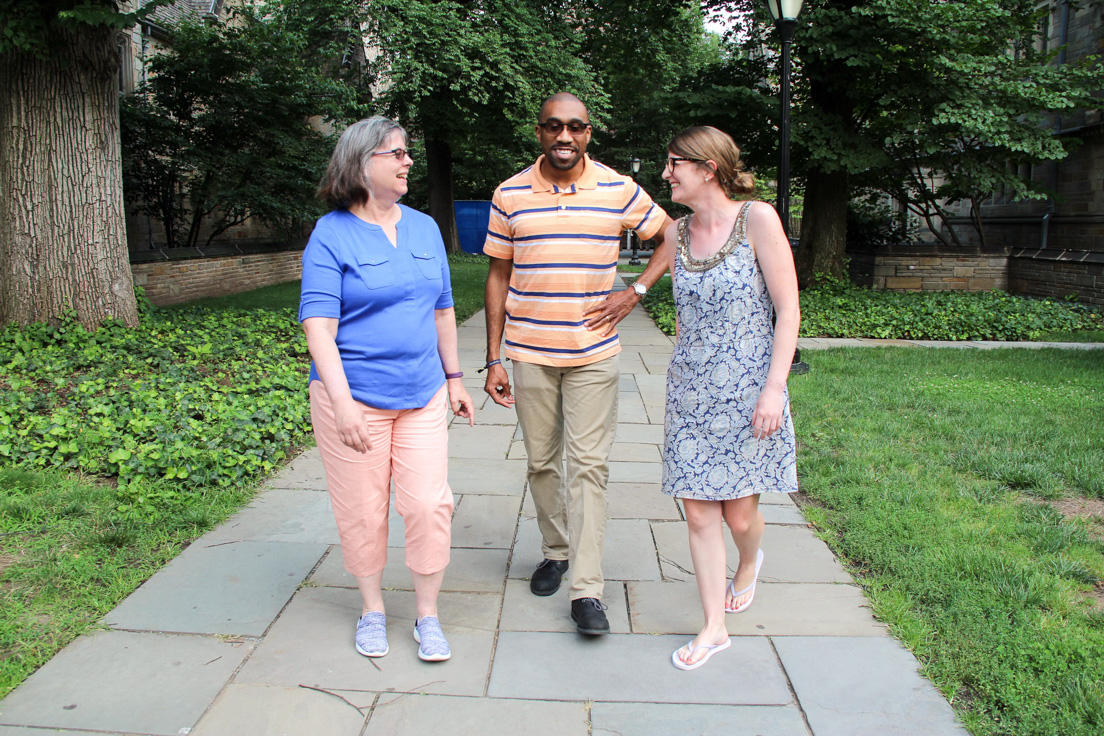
717,371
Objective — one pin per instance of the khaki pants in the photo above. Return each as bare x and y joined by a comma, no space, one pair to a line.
575,409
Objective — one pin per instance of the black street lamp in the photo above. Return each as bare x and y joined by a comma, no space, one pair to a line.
633,238
784,13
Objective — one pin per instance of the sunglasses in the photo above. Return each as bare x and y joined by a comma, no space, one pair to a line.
398,153
555,126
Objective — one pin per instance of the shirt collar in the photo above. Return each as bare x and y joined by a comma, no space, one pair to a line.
588,179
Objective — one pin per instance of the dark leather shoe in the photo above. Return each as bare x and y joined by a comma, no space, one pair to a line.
546,578
589,615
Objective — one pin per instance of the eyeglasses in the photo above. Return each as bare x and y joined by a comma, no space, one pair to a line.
555,126
673,161
398,153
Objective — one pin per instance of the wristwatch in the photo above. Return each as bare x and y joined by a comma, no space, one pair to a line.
640,289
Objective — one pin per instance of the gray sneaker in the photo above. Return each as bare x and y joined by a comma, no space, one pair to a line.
371,634
433,646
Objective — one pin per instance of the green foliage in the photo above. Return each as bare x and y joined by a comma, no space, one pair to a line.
833,308
30,25
915,461
197,398
220,131
872,225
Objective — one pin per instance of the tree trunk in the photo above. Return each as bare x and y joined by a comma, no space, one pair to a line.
62,229
441,204
823,227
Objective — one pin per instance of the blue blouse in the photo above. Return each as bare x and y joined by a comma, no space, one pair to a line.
383,296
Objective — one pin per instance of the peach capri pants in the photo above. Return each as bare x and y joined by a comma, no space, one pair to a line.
409,445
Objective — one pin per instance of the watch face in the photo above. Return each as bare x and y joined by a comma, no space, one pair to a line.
640,288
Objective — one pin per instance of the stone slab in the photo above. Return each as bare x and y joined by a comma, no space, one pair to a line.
630,408
651,434
523,611
780,609
852,685
21,731
421,715
483,522
633,667
305,472
279,515
469,571
791,554
130,682
490,413
234,589
627,553
781,513
483,441
312,644
633,472
260,710
636,452
482,476
621,719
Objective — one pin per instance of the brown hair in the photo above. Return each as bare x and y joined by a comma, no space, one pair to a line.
345,182
704,143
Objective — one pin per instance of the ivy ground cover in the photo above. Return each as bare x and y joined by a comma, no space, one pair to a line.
965,491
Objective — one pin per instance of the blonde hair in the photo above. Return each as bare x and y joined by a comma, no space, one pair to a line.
705,143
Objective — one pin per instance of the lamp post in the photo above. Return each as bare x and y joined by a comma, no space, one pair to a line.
784,13
634,261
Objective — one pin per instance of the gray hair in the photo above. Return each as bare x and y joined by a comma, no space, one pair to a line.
345,183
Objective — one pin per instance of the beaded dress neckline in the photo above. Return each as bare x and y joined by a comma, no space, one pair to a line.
735,238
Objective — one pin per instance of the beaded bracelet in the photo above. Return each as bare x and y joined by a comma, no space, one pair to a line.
496,361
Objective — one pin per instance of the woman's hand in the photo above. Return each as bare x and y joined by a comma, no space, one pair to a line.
352,425
768,411
461,401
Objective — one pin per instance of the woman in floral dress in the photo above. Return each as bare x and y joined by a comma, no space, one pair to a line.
728,433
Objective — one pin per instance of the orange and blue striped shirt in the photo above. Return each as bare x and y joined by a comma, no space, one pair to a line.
564,244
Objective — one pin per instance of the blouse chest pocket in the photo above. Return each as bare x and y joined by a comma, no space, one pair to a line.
428,265
376,270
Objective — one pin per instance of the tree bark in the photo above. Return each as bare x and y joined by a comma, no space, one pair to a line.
441,204
823,227
62,228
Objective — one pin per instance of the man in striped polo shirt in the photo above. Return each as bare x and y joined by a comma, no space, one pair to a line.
554,239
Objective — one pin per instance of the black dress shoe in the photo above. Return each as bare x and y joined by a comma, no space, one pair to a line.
589,615
546,578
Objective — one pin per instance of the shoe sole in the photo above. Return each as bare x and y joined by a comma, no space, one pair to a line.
589,632
371,654
544,593
429,657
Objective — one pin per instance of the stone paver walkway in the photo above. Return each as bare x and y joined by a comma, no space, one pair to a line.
250,630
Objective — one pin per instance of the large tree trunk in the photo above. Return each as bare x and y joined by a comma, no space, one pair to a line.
62,229
441,204
823,227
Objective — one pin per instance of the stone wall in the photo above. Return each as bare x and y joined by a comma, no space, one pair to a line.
925,269
1058,274
176,281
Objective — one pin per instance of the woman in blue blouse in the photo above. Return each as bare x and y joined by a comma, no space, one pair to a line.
377,311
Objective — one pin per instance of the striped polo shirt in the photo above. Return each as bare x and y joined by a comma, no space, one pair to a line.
564,243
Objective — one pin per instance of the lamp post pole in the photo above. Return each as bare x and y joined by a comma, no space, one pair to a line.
784,13
634,164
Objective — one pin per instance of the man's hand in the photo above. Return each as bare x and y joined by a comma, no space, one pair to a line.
498,386
614,309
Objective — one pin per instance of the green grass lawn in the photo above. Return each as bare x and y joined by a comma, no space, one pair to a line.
940,477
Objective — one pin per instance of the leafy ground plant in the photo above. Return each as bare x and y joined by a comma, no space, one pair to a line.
836,309
939,477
